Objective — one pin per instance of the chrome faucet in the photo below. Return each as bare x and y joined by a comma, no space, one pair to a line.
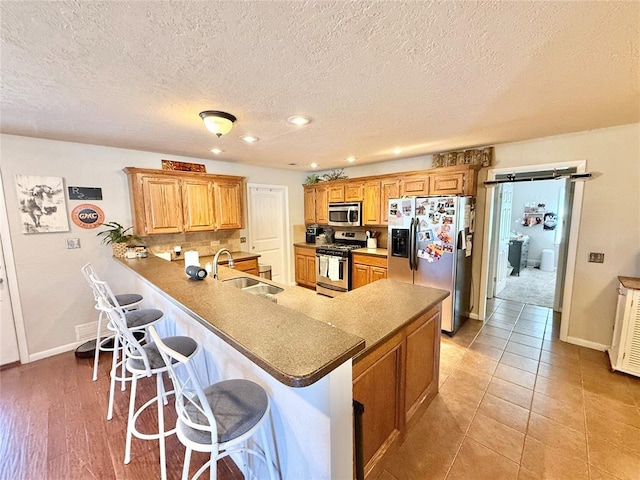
215,261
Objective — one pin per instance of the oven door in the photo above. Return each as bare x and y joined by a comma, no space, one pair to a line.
332,275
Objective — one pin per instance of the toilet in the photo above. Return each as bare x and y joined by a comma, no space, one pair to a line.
547,260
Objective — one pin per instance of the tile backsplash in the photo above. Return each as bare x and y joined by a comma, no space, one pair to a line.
205,243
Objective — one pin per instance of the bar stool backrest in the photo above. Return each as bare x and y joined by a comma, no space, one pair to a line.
108,304
192,406
91,276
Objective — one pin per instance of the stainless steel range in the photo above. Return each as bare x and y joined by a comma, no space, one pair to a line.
333,263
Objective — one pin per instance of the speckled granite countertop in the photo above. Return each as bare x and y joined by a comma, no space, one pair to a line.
630,282
305,335
374,252
222,260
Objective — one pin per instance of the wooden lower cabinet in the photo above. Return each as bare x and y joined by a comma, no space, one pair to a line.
367,269
396,382
305,266
248,266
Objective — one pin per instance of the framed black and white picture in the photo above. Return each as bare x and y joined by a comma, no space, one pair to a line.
42,204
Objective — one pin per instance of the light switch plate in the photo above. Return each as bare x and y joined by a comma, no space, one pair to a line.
73,243
596,257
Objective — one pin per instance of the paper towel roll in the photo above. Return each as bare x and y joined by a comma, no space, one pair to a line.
191,258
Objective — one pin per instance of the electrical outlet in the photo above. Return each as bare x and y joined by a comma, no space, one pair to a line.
243,239
73,243
595,257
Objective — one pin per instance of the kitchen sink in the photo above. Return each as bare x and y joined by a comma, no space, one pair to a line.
242,282
253,286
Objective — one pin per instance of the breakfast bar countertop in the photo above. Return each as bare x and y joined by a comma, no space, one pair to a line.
304,336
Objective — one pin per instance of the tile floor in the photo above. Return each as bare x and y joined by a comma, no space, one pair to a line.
516,403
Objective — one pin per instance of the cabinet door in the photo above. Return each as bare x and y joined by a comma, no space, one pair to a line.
360,275
197,205
322,205
162,204
389,188
447,184
420,367
301,268
354,192
311,270
414,185
309,205
228,199
371,205
336,193
378,273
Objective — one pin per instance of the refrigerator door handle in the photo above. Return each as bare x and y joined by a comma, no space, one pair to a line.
414,244
411,245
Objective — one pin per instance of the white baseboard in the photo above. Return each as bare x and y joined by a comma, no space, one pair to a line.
474,316
586,343
54,351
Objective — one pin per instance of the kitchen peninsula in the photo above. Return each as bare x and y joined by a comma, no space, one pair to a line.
312,354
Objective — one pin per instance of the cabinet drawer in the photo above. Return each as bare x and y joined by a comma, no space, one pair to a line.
369,260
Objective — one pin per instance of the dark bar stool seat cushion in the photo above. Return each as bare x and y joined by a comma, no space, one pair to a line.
237,406
128,299
140,318
183,345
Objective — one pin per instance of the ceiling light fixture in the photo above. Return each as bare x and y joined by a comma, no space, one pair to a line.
249,138
351,159
397,151
314,165
216,151
219,123
299,120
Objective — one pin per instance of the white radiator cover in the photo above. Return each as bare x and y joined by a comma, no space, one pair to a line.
624,353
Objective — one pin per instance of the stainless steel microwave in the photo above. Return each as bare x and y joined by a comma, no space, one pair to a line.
345,214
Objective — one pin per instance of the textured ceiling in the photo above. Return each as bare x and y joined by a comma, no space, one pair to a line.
423,76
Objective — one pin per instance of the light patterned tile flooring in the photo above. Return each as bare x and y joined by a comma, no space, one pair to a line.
516,403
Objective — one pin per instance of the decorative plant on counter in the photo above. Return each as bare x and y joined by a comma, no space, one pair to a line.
337,174
116,236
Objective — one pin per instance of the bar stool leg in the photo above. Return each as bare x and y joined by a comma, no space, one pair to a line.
114,369
97,353
268,455
161,439
130,420
187,463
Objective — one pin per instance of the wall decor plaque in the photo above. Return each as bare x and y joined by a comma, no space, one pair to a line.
183,166
87,216
476,156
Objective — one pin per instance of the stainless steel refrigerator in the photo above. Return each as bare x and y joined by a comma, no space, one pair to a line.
430,243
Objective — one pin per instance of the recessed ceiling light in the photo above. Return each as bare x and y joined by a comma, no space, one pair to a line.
351,159
299,120
249,138
396,151
216,151
314,165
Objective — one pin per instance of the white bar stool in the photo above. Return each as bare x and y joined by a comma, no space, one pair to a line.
145,361
128,301
220,418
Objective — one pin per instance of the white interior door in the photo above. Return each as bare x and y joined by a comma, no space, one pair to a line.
268,227
504,230
8,342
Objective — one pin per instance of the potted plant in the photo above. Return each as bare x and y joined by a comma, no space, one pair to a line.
116,236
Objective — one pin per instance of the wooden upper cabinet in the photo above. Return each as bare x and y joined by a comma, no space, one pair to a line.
354,192
371,206
228,203
175,202
197,205
322,205
335,193
309,205
462,182
162,205
414,185
389,188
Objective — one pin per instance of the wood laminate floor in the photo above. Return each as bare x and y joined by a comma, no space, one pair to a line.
53,426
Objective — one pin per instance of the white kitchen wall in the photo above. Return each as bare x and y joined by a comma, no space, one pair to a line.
53,294
546,192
